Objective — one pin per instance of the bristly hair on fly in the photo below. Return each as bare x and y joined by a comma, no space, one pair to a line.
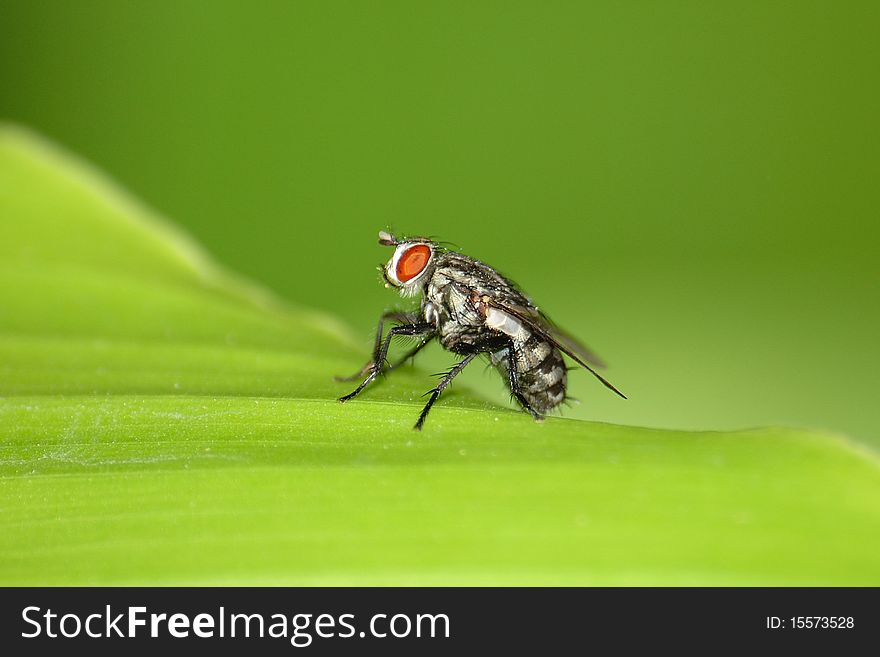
473,310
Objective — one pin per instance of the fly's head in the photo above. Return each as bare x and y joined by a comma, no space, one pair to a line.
411,264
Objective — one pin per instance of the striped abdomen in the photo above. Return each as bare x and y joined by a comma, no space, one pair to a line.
541,372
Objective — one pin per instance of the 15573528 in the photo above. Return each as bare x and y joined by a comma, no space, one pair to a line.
810,622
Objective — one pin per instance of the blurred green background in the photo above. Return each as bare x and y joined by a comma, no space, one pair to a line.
690,187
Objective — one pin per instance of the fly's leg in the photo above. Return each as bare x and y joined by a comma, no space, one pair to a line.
402,318
435,393
407,356
513,381
381,351
369,366
354,377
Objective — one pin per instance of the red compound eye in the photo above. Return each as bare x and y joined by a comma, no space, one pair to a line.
412,262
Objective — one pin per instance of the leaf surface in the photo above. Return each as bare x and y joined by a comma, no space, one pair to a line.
164,422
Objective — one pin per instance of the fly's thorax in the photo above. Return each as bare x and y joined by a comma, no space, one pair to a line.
447,306
442,297
429,312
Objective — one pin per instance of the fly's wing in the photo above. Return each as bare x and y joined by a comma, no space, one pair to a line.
540,324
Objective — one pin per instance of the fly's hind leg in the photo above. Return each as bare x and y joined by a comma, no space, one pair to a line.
381,351
513,381
435,393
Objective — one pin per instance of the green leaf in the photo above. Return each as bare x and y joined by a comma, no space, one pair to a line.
164,422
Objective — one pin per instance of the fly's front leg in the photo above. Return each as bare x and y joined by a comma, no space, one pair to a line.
354,377
407,356
402,318
379,356
435,393
369,366
513,380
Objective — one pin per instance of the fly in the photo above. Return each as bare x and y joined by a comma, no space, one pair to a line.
473,310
